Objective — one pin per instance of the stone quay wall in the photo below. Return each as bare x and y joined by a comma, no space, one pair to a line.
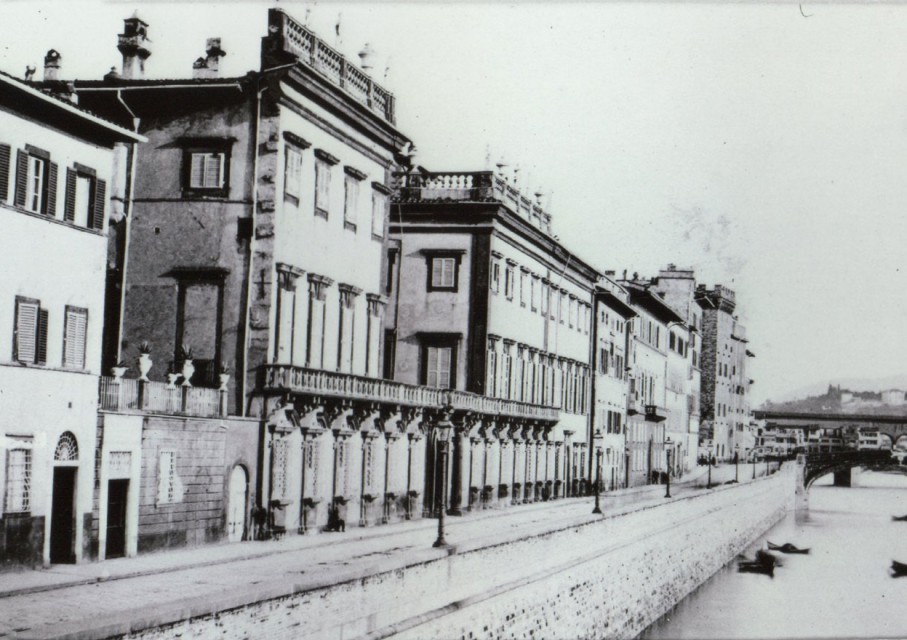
605,577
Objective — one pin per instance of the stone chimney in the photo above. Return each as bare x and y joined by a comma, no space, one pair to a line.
133,43
52,63
209,67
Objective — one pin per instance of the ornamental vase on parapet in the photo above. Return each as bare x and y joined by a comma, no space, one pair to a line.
188,370
224,379
145,364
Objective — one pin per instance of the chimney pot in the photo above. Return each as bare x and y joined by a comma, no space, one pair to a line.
209,66
52,63
133,44
366,57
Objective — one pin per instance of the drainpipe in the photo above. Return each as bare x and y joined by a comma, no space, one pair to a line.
128,226
249,276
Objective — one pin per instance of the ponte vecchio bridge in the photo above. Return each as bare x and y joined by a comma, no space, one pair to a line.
840,463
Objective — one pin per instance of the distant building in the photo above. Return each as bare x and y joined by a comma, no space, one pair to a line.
893,397
725,410
59,168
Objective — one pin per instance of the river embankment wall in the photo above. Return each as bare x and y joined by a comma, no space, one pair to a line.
607,577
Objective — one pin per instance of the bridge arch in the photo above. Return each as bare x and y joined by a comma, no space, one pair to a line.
819,465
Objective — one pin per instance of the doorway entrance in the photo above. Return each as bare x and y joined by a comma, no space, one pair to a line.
117,492
236,504
62,516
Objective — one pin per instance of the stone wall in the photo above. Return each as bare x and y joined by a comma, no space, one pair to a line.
591,578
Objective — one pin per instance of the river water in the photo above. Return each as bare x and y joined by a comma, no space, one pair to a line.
842,589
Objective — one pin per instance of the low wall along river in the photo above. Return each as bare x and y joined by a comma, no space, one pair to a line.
611,577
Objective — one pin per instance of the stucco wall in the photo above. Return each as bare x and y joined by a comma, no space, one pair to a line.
589,578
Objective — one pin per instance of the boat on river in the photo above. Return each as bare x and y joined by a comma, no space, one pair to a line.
764,563
898,569
787,547
899,518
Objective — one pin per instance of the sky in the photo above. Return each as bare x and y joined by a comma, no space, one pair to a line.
764,145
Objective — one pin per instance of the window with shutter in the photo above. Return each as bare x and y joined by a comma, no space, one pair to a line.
439,359
443,269
379,213
351,203
293,173
100,205
206,169
34,196
26,330
5,155
74,334
322,188
438,367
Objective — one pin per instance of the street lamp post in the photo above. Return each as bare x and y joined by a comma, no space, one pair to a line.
736,462
444,427
668,490
597,443
709,462
627,467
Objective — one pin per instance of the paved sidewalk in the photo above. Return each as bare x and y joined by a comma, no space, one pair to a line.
84,600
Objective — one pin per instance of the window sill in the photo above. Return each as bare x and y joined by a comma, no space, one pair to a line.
43,367
377,238
213,194
42,216
321,213
293,200
349,226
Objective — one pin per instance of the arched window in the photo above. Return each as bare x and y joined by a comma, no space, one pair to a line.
67,448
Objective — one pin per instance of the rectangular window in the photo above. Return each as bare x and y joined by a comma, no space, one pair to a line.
36,181
534,293
206,171
496,277
35,191
350,203
544,293
166,478
438,367
322,188
18,480
508,282
30,333
74,333
86,198
524,288
379,213
443,271
292,176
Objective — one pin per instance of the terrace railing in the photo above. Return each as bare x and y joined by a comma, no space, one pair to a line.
470,186
128,394
340,385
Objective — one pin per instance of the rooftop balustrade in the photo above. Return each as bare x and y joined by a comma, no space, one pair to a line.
314,52
352,387
470,186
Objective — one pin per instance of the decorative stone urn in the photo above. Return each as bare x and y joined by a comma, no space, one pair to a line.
188,371
145,363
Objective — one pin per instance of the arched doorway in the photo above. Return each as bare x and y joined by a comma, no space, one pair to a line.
63,504
236,504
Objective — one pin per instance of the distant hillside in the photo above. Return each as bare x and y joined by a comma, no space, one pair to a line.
853,384
838,399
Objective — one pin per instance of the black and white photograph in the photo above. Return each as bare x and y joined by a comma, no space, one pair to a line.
472,321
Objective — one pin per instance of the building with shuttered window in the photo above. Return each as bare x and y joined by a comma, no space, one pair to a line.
57,173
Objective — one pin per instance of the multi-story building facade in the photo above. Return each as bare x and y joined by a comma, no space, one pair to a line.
648,361
57,175
678,287
725,410
611,382
485,299
250,197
